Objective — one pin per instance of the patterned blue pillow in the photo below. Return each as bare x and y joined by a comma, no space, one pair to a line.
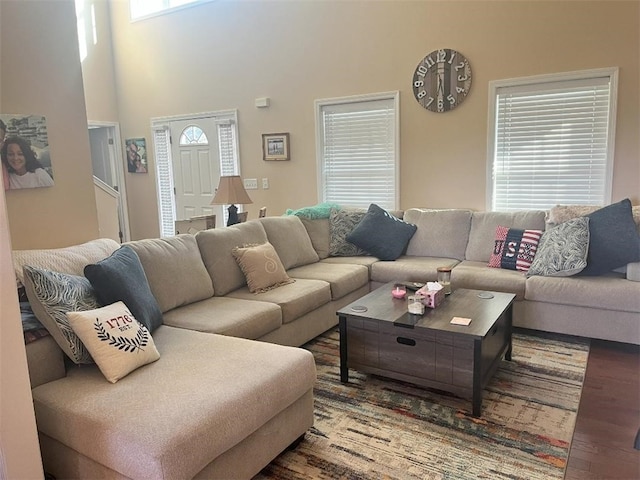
562,250
51,295
341,223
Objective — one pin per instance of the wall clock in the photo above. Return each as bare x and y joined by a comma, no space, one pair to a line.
442,80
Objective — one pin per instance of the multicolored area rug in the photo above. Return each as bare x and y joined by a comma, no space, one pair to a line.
375,428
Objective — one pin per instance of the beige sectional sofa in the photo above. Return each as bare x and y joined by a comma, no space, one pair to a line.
218,403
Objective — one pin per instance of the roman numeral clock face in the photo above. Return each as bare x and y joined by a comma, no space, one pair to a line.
442,80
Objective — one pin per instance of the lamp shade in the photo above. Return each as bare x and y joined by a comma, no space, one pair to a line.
230,191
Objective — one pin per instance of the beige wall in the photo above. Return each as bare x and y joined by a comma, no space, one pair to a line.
41,74
224,54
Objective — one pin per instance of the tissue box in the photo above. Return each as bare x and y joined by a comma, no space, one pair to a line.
431,298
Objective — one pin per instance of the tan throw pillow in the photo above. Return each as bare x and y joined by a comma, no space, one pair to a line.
261,267
115,339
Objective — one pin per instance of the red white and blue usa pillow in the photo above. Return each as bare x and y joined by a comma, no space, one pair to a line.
514,249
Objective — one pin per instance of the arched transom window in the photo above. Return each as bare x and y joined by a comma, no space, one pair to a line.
193,135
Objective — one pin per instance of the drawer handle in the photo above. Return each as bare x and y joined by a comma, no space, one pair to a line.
406,341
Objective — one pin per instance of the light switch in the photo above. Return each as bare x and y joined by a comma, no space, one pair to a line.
265,183
251,183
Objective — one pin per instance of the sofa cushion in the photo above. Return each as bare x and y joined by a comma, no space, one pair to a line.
441,233
295,299
613,239
215,247
318,230
605,292
120,277
381,234
71,260
514,248
227,316
52,295
174,269
173,417
261,267
483,229
563,249
344,278
479,276
290,239
409,269
341,223
116,340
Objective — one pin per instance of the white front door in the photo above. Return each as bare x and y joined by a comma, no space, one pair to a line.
196,167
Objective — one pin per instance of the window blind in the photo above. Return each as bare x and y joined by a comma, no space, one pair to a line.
551,144
358,153
162,147
227,146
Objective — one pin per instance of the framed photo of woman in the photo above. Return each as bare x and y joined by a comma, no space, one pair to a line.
24,152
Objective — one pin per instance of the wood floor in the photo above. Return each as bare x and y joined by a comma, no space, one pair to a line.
609,416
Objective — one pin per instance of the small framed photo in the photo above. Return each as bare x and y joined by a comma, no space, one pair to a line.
275,146
136,149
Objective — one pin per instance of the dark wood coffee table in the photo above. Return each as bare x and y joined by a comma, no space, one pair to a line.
427,350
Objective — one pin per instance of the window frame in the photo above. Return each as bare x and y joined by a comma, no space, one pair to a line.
496,85
319,104
166,9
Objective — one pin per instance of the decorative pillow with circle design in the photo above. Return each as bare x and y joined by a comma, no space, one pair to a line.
116,340
261,266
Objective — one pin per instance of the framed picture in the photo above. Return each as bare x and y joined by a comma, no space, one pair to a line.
275,146
24,148
136,149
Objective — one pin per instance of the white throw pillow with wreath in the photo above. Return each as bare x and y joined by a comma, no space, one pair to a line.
118,343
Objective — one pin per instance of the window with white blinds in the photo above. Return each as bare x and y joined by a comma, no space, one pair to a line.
551,140
166,206
227,142
358,150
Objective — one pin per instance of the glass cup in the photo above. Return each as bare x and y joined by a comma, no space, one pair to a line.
415,305
444,279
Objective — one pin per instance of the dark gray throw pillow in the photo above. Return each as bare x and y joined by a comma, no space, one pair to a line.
121,278
381,234
613,239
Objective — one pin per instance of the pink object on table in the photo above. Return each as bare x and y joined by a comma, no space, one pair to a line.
398,291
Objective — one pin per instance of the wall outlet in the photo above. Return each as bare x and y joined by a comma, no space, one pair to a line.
265,183
250,183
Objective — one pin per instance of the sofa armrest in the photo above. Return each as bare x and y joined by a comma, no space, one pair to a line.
45,360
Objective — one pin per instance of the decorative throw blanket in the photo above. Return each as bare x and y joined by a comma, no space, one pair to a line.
321,210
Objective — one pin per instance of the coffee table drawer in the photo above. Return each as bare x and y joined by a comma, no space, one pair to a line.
404,351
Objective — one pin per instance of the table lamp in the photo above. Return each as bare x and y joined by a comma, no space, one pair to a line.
229,192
